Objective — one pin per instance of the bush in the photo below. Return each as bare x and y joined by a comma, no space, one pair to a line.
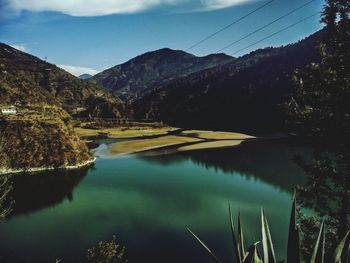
106,252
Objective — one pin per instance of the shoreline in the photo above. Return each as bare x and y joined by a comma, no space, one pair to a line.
183,140
50,168
120,133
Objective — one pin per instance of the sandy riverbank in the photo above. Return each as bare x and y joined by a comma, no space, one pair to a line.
121,133
135,146
186,140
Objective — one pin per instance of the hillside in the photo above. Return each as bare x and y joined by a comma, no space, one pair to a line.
150,70
26,79
39,140
241,95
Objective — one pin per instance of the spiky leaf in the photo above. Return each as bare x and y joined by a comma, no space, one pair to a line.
234,240
241,249
319,250
252,256
293,249
214,258
269,253
342,253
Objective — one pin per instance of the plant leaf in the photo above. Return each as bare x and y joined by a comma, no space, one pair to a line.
293,249
269,253
318,253
342,253
234,240
204,246
241,249
252,256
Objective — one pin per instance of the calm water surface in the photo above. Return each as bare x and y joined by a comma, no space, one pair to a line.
148,201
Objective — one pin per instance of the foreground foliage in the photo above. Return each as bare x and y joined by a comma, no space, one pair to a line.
320,113
263,251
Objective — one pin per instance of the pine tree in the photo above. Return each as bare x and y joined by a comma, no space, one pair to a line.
321,113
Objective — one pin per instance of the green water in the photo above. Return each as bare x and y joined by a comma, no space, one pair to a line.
148,202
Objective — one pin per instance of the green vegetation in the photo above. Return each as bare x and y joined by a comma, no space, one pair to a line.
254,255
320,111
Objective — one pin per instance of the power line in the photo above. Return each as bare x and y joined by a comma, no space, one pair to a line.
229,25
265,26
278,32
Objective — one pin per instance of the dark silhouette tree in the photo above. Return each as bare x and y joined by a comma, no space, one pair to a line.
321,112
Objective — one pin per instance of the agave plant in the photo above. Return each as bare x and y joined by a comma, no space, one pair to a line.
253,255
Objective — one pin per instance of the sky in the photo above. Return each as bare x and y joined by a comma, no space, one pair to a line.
88,36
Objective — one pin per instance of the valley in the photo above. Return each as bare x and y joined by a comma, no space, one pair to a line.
158,91
124,136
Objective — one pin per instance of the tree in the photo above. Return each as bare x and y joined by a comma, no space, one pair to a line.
321,112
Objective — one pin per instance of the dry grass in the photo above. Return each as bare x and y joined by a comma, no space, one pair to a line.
217,135
210,145
134,146
197,139
123,133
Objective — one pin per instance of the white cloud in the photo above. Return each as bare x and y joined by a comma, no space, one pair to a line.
109,7
219,4
20,47
89,7
77,71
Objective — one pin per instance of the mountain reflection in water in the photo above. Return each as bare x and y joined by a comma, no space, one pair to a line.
33,192
148,201
270,162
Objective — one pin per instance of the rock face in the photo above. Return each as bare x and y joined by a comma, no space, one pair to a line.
146,72
40,142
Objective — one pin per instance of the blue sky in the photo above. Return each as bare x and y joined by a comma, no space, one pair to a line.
92,35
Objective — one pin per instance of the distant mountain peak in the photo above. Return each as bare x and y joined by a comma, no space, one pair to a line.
219,55
85,76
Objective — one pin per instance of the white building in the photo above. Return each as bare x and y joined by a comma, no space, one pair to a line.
11,110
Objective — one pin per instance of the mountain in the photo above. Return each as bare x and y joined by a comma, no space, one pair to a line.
152,69
85,76
25,79
244,94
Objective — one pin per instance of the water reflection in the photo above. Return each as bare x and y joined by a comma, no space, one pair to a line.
148,202
266,161
6,202
33,192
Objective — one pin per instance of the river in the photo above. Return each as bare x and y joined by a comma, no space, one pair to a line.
147,201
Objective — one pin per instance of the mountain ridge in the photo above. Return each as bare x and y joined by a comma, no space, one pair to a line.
244,94
26,79
147,71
